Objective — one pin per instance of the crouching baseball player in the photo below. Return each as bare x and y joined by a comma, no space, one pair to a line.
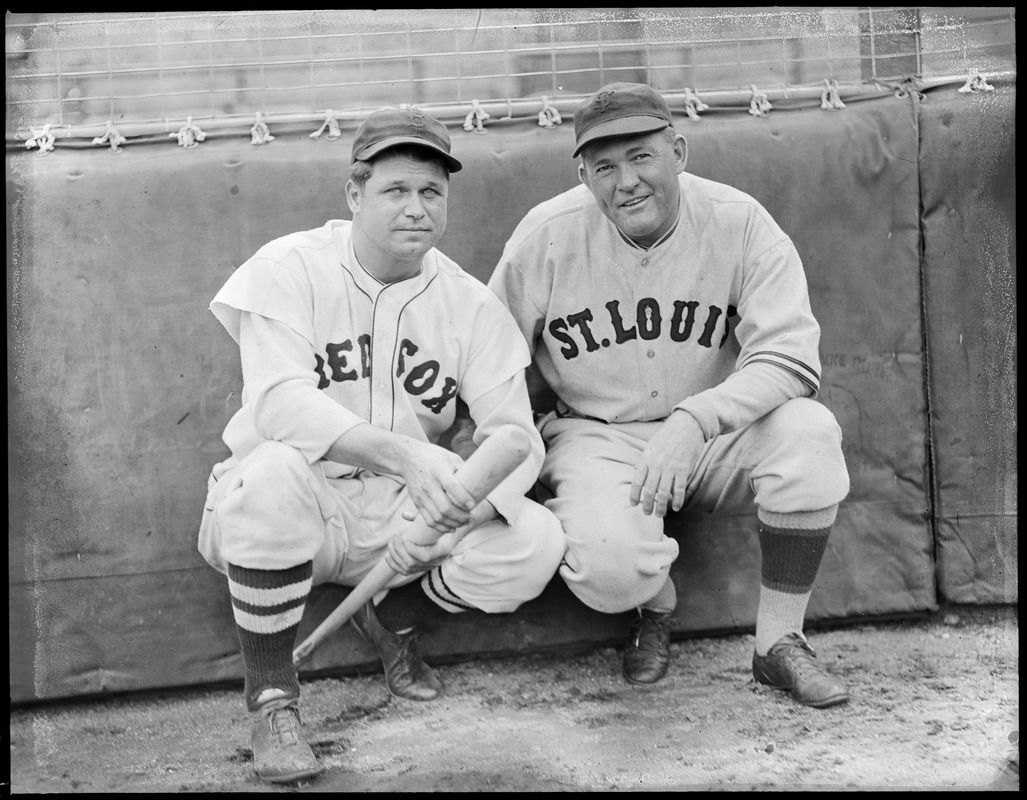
357,339
670,316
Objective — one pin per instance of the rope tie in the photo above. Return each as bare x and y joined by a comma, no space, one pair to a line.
475,119
906,88
693,105
976,83
759,105
331,123
260,133
189,135
549,116
111,137
43,139
829,98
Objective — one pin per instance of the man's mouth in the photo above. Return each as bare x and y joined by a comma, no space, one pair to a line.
633,202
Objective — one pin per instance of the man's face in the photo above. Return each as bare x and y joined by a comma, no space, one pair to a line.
635,181
401,209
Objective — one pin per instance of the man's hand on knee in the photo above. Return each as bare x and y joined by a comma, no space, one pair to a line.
661,475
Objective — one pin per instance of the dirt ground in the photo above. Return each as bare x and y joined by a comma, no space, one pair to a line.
935,705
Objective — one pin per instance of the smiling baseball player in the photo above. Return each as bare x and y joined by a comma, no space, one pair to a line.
670,316
357,340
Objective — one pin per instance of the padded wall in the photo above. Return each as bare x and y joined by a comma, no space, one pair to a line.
121,381
969,218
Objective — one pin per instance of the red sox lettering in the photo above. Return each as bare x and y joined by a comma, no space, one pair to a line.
418,378
648,325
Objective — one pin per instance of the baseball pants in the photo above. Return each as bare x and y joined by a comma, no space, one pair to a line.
272,510
617,557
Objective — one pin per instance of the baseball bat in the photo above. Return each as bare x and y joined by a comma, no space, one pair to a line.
487,467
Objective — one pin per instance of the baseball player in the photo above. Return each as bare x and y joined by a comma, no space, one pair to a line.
670,316
357,340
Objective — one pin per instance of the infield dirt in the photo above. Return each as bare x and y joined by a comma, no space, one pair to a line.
935,706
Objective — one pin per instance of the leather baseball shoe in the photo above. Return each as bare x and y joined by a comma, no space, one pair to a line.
406,674
280,754
647,657
791,665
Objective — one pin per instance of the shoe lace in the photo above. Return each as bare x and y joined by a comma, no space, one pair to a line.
285,724
650,633
803,659
410,656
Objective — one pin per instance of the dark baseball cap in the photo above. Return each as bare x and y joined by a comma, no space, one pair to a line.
391,127
619,109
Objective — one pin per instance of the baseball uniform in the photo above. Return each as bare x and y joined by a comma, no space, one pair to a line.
713,319
326,346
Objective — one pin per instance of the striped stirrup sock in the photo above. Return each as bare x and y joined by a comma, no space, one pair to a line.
792,547
268,605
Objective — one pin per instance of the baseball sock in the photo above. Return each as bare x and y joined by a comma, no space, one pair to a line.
665,600
268,605
407,607
792,546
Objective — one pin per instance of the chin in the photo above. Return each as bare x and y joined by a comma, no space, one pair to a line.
637,231
411,253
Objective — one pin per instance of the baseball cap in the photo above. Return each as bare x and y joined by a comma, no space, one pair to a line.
619,109
390,127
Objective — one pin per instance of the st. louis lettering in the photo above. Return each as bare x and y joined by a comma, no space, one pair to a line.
648,325
580,321
558,330
418,378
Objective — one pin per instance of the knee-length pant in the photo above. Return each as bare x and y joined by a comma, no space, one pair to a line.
272,510
617,557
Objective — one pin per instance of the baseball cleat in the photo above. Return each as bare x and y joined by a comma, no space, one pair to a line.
791,665
280,754
647,657
406,674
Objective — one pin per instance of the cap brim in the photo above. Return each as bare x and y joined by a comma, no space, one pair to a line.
625,126
394,141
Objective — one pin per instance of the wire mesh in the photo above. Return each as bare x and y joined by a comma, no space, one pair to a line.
149,72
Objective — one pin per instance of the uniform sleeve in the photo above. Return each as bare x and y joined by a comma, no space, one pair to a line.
281,386
507,404
517,291
269,288
779,339
776,324
746,395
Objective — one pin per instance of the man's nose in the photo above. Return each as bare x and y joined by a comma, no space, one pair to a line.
414,207
627,179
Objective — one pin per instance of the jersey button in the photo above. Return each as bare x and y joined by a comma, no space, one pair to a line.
654,394
645,262
651,354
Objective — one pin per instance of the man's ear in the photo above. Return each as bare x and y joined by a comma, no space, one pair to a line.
581,175
353,194
680,153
